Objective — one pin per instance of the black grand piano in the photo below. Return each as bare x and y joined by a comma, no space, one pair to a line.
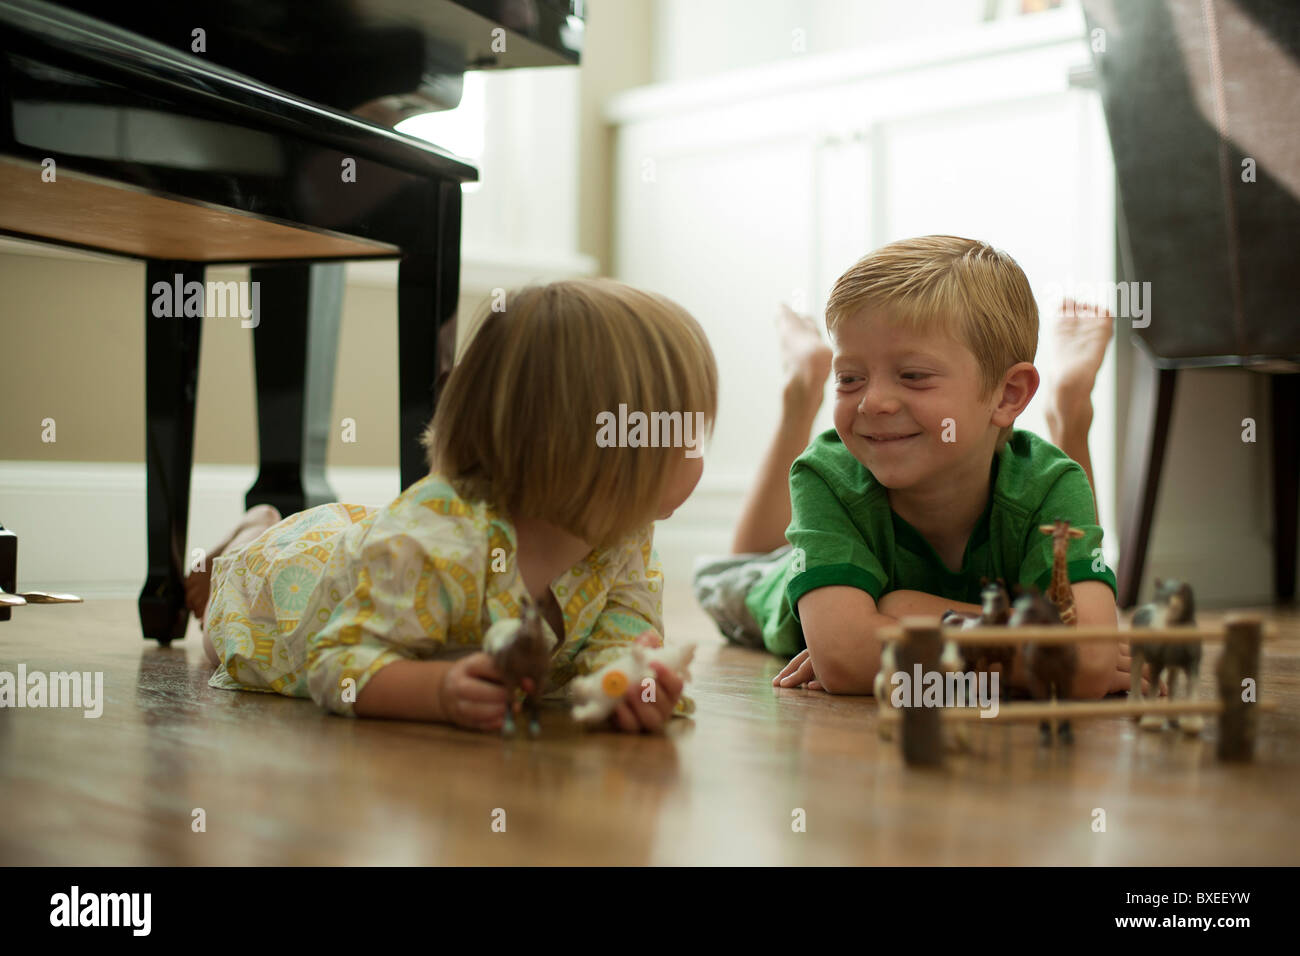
259,132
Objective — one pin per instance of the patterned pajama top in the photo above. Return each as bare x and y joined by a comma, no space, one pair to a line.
340,591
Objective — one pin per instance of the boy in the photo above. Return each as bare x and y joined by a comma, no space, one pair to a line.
924,486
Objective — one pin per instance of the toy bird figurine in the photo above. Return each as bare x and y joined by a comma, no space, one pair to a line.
521,649
596,695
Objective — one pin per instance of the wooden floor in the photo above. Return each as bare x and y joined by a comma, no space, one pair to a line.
281,782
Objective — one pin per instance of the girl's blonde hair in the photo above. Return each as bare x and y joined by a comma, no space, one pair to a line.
965,288
516,424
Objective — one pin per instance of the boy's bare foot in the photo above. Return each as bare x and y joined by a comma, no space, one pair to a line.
198,584
807,361
1082,333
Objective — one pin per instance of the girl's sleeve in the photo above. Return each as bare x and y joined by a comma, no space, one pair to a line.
403,605
634,605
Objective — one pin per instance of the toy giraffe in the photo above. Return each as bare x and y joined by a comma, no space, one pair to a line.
1059,592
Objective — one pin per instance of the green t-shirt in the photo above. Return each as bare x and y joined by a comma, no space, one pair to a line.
845,533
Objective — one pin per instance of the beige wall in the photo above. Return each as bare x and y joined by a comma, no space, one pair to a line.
72,331
618,56
74,343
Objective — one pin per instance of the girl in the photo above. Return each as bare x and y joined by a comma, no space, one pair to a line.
381,612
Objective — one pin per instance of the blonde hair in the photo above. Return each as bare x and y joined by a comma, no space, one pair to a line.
516,423
969,290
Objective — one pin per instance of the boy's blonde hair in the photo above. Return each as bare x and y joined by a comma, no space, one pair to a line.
516,424
965,288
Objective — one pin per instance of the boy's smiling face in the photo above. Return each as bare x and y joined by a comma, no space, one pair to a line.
899,393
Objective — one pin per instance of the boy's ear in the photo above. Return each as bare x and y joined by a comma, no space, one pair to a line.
1018,387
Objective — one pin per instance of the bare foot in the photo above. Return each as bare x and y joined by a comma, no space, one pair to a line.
198,584
1082,333
807,361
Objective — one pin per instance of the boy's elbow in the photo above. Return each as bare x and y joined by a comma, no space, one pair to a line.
833,680
1096,672
840,676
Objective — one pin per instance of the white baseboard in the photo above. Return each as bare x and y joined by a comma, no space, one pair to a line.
81,525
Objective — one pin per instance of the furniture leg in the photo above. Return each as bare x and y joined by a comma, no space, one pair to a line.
8,566
1150,414
428,281
171,386
1285,391
295,347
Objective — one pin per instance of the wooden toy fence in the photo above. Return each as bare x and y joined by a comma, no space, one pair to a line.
919,640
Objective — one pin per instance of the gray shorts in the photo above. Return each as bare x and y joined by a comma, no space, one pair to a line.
722,585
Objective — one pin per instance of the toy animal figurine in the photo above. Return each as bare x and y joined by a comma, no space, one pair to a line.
596,695
995,611
950,661
521,649
1173,606
1051,667
1058,592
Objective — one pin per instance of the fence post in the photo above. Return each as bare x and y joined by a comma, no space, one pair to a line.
922,727
1240,660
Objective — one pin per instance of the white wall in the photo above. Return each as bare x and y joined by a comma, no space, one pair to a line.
738,191
753,173
695,39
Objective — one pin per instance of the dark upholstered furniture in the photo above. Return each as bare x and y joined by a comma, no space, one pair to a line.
1202,101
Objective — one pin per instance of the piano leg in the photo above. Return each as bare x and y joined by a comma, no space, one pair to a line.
428,289
295,345
8,566
171,348
1286,482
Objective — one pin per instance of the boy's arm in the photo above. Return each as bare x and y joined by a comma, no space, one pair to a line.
839,626
1099,671
900,604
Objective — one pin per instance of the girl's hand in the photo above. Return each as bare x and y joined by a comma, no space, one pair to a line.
798,673
634,715
471,694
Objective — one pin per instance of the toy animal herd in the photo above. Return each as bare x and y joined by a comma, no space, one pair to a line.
1051,667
